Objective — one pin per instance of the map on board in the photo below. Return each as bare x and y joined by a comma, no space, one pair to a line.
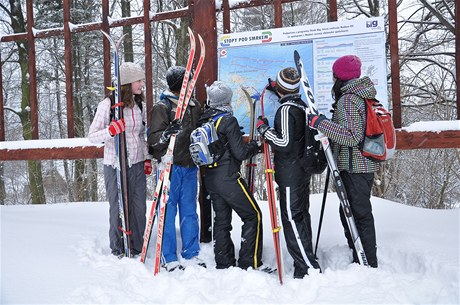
248,59
251,70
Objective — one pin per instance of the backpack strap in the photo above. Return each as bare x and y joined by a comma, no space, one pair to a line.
217,120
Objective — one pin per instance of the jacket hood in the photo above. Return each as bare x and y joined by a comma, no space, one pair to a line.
173,98
363,87
208,113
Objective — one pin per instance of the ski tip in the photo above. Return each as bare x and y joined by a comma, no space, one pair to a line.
119,41
201,42
106,35
296,55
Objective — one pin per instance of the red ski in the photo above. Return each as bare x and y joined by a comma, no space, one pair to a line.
274,205
162,189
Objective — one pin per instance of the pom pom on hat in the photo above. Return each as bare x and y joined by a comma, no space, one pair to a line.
174,77
347,67
130,73
219,94
288,81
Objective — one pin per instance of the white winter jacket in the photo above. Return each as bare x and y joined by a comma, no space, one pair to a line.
136,143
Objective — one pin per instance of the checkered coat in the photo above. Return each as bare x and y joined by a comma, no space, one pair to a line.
347,128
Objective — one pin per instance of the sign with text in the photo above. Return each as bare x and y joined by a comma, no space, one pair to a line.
249,59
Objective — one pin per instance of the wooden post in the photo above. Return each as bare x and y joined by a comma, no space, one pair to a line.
106,44
278,13
394,57
148,59
68,71
226,16
332,11
203,22
32,70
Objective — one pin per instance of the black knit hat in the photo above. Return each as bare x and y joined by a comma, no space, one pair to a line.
288,81
174,77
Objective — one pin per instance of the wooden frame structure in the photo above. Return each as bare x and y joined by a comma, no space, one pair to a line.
202,15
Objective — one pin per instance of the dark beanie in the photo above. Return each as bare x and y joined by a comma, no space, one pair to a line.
174,77
347,67
288,81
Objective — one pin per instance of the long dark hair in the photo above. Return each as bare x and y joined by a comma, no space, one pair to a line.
130,99
337,89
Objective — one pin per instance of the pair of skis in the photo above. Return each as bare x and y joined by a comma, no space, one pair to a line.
273,204
250,165
162,189
120,148
340,188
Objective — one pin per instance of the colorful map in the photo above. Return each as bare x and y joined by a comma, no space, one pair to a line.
248,59
251,67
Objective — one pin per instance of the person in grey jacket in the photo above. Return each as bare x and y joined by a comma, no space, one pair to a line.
346,130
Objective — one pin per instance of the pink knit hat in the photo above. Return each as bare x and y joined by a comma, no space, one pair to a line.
347,67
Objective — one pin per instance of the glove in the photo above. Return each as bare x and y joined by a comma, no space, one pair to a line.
272,87
262,125
314,120
174,128
260,148
256,146
148,167
117,127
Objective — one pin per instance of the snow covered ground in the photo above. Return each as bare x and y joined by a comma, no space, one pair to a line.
59,254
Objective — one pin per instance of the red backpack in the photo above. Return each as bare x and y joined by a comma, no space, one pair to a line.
379,142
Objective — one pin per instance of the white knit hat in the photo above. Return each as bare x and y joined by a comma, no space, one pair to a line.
130,73
219,94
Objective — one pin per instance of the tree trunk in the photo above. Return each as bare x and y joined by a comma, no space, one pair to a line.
128,52
35,168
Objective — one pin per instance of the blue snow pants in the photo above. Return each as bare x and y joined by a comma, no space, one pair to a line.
182,198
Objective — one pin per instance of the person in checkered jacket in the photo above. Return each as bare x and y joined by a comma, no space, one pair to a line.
346,130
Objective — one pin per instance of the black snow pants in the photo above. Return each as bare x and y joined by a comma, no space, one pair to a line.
295,216
136,205
231,193
358,188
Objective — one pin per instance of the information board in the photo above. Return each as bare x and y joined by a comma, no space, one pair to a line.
248,59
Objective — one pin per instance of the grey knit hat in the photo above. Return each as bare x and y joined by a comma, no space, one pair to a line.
219,94
130,73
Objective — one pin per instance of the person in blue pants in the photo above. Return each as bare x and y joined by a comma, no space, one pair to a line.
184,173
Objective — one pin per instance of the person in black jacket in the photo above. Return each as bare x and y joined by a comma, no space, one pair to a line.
287,140
184,179
228,190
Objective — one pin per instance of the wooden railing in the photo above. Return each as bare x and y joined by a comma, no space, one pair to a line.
72,149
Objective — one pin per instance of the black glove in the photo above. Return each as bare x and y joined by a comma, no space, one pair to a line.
255,146
174,128
314,120
262,125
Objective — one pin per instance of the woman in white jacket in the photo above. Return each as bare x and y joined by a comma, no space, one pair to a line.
103,129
